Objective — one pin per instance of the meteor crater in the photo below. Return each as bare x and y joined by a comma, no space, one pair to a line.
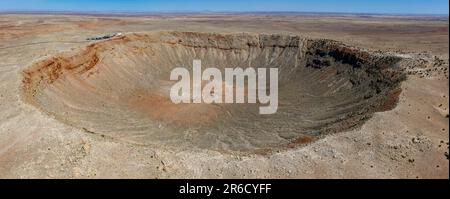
120,88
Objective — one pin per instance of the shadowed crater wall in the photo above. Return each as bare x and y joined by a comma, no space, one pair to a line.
120,88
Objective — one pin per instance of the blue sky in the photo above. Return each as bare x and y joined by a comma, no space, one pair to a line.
355,6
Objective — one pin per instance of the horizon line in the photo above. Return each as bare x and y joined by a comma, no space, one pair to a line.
211,12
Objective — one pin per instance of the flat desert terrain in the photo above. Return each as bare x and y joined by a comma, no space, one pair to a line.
361,96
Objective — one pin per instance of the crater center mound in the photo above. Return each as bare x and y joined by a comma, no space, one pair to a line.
120,88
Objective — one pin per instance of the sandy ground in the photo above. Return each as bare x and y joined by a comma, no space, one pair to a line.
410,141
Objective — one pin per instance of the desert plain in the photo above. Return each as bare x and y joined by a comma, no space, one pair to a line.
391,124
